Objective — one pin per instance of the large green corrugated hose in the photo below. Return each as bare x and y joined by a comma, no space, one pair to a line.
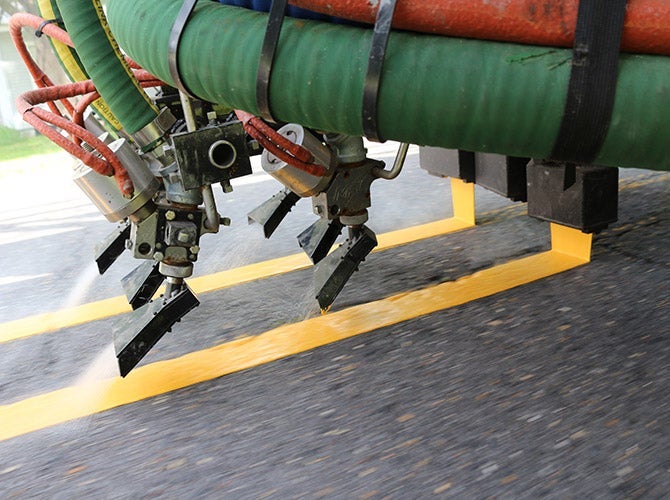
439,91
103,62
72,65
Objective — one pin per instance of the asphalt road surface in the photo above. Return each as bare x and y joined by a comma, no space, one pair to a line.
558,388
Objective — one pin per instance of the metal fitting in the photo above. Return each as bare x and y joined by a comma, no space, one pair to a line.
154,130
182,234
349,149
299,181
222,154
397,164
174,188
226,186
354,220
174,271
104,193
105,137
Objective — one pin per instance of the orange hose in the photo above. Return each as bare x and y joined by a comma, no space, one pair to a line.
535,22
108,164
281,147
41,79
27,104
105,162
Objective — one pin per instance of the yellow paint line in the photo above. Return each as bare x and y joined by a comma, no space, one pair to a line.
569,249
463,200
571,242
64,318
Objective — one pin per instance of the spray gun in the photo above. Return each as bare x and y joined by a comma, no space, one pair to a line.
172,207
173,166
340,198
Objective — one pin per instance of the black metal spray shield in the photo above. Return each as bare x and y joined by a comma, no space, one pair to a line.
138,332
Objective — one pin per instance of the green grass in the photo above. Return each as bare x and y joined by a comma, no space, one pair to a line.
15,144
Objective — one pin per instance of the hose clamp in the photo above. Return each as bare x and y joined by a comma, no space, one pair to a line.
373,75
40,29
180,22
268,53
593,81
154,130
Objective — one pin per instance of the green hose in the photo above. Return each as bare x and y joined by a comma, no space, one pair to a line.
86,25
72,65
437,91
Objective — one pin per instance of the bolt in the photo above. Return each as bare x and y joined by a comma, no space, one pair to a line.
183,237
190,216
159,256
194,249
159,246
170,215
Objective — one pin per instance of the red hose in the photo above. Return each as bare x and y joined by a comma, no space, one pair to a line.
27,105
80,109
105,162
109,164
48,93
41,79
284,149
536,22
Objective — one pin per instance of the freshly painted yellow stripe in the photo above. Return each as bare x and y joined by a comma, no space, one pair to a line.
51,321
463,200
568,241
569,249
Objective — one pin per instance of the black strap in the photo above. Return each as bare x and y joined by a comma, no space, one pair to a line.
173,44
380,39
268,51
40,29
593,81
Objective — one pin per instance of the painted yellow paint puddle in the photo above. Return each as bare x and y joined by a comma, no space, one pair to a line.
570,248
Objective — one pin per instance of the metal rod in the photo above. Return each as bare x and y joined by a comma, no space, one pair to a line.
212,216
173,286
397,164
189,115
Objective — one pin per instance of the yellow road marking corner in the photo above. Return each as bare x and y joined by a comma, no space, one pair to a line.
569,250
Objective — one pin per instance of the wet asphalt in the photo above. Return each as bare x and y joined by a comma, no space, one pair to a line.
555,389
